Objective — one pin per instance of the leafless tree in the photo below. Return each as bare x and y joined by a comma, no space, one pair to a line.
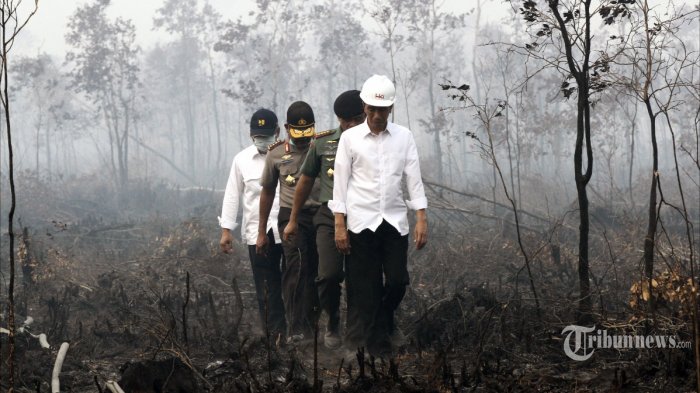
562,39
488,114
13,18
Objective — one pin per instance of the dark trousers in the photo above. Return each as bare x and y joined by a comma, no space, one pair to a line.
330,267
268,286
298,287
376,283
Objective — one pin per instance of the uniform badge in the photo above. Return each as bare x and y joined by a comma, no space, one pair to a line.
330,151
334,141
286,159
290,180
330,173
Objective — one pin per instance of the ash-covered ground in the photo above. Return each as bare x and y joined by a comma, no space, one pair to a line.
138,288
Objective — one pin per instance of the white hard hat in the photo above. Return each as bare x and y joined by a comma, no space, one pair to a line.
378,90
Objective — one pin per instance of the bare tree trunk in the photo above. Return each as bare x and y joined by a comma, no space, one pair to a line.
112,142
693,282
238,121
9,21
330,80
13,204
38,143
124,143
189,126
510,154
631,168
650,237
514,209
583,131
583,135
48,154
406,94
517,148
431,95
477,86
477,21
493,189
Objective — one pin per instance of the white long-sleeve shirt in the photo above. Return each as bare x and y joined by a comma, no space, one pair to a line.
244,181
367,178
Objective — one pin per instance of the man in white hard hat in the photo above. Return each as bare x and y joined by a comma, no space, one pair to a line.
370,164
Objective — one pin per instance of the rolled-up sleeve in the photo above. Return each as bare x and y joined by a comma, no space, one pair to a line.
414,182
341,177
229,210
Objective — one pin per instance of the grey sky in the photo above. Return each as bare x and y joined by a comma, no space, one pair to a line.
46,31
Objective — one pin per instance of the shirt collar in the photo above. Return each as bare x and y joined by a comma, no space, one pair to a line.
289,148
255,152
366,131
338,132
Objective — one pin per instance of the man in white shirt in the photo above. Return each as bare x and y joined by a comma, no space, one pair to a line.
370,164
244,183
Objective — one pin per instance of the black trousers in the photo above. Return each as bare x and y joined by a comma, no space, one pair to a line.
268,286
377,276
330,267
298,286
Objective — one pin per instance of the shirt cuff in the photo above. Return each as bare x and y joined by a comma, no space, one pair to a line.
337,207
230,225
418,203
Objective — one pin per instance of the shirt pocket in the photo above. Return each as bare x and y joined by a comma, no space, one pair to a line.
290,170
395,162
249,177
327,165
252,181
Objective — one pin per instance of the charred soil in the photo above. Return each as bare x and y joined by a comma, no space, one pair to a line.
144,298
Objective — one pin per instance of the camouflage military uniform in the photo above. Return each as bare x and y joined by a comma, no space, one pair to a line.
283,166
319,163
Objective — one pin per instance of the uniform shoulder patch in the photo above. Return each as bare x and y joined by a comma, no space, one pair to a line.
325,133
272,146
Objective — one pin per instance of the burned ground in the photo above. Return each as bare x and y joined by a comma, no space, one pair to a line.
139,290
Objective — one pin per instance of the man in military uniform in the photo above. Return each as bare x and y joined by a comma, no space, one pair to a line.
283,165
319,163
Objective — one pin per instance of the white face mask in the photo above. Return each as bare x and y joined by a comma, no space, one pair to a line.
261,142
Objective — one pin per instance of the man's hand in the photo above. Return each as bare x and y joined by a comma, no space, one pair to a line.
267,197
290,230
342,241
420,232
261,244
226,242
